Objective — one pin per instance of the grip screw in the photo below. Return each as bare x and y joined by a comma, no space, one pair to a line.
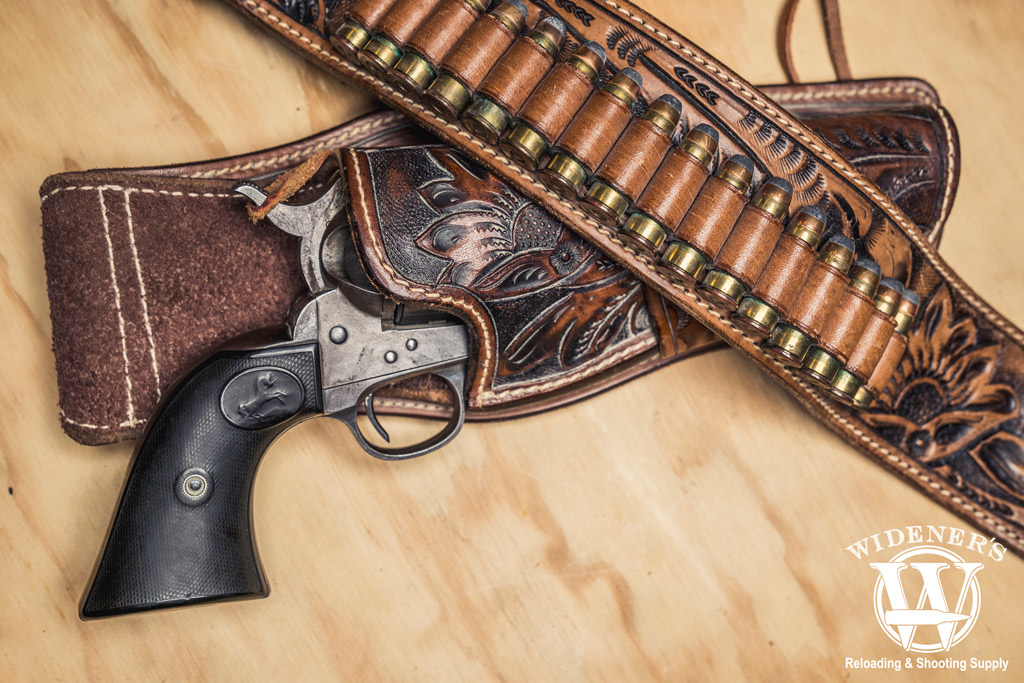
193,487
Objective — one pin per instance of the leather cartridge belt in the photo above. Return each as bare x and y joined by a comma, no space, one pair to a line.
609,153
167,225
961,444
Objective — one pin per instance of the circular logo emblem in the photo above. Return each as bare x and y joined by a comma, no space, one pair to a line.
261,397
927,598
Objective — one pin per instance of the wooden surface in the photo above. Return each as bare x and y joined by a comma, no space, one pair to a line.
699,536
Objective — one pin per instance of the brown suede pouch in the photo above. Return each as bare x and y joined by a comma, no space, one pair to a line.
148,270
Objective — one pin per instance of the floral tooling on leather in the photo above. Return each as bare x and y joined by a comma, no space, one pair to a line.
557,306
946,408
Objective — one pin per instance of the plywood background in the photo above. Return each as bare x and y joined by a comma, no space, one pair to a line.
702,538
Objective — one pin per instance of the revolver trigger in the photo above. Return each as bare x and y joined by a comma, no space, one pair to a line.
368,405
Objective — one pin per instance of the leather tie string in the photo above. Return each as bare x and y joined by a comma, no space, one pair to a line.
833,34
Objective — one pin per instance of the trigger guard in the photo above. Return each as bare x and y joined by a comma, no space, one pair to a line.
454,377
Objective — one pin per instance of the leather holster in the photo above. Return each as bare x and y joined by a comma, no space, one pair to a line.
149,270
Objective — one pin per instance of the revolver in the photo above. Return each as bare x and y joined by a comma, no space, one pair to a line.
182,532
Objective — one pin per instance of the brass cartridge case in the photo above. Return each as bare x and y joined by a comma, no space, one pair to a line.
707,222
632,162
467,63
749,245
892,355
592,132
779,283
513,78
872,343
827,279
552,105
355,32
845,326
431,41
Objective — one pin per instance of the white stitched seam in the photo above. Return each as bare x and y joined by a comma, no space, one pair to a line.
132,421
126,190
142,291
926,99
483,394
86,425
923,95
144,190
117,305
166,193
584,372
947,197
841,166
1003,324
338,140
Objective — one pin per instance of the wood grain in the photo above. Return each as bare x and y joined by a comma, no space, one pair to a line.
661,531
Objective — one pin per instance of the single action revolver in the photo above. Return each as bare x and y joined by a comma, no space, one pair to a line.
182,533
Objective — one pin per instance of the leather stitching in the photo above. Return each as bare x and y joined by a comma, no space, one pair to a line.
167,193
909,230
85,425
414,405
836,93
482,392
338,140
132,421
144,190
947,197
136,422
644,343
117,305
925,99
142,292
